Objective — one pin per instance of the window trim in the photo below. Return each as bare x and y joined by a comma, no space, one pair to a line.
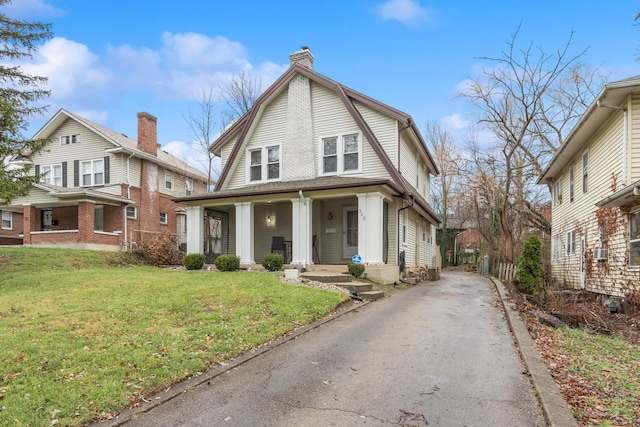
571,183
93,172
135,212
264,164
585,171
340,153
635,217
10,220
49,176
166,218
557,191
168,180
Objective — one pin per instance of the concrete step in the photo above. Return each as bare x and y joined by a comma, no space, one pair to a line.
327,276
356,287
371,295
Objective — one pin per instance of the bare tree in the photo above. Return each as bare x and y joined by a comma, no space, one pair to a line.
203,125
239,94
527,102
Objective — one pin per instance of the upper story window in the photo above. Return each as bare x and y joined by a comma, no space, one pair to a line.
92,172
557,192
634,239
571,183
70,139
585,171
341,154
7,220
264,164
51,174
168,180
188,185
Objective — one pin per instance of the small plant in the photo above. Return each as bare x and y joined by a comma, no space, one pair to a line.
529,274
273,262
227,262
193,261
355,270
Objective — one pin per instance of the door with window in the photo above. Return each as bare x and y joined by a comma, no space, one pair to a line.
583,249
350,233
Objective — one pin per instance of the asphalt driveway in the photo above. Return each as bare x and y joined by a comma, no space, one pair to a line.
438,354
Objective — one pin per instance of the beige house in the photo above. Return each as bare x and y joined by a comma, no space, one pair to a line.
100,189
320,173
595,182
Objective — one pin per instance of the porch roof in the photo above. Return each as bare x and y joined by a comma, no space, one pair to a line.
280,187
626,196
73,195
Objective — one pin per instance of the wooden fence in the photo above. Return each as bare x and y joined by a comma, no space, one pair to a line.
506,272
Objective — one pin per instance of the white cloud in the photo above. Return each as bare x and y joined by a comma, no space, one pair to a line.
408,12
455,122
193,154
20,9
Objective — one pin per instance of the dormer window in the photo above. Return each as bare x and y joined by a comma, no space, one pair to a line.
70,139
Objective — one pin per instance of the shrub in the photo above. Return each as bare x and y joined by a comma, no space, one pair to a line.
356,270
161,250
193,261
273,262
227,262
529,274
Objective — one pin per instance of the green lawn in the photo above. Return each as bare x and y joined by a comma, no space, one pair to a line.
80,340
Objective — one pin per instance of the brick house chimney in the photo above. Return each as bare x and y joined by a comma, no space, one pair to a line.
147,133
303,57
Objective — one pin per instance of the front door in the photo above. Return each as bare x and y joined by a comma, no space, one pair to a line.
583,249
350,233
47,220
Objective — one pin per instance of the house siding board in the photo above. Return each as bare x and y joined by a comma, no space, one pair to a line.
407,161
385,129
634,138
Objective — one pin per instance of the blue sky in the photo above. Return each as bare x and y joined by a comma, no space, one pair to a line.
110,59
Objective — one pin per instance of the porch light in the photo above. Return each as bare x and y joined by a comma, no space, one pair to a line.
269,220
330,216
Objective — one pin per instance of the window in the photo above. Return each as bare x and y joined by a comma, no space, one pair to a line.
168,180
602,230
65,140
341,154
557,192
92,172
7,220
403,226
132,212
571,183
585,171
571,242
188,185
634,239
163,217
557,247
264,164
98,218
51,175
75,139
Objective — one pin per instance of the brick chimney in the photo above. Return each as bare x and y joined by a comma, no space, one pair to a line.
147,133
303,57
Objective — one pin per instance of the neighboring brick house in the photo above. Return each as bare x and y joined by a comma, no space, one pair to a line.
100,189
595,182
323,173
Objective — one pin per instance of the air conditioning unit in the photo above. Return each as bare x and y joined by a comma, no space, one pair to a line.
600,254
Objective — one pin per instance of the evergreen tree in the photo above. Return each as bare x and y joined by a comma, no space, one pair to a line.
18,93
529,274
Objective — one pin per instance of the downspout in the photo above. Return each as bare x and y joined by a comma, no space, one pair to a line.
398,219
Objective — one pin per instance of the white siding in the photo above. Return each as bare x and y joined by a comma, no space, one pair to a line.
634,137
385,129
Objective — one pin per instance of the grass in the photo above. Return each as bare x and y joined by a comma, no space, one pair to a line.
80,340
610,363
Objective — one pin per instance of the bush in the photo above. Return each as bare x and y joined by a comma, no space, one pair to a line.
227,262
529,274
161,250
273,262
193,261
356,270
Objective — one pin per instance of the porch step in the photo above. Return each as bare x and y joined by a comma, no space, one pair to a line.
371,295
356,288
327,276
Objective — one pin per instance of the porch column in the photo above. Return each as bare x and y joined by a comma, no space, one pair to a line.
301,253
370,227
86,221
195,229
244,232
29,223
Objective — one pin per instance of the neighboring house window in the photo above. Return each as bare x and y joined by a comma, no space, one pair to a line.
557,247
571,183
557,192
7,220
75,139
163,217
571,242
188,185
340,154
92,172
51,175
634,239
98,217
65,140
264,164
132,212
168,180
585,172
